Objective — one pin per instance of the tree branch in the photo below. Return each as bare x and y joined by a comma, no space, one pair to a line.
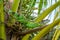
31,31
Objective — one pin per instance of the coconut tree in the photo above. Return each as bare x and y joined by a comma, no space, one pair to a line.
18,22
